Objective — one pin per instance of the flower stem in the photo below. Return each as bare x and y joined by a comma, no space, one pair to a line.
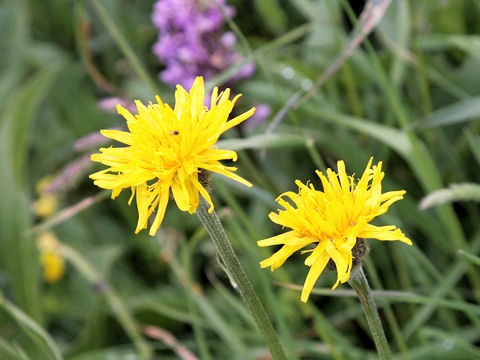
359,283
238,277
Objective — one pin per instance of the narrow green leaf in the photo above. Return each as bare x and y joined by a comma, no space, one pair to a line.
467,43
464,349
474,259
32,329
13,34
26,106
456,113
17,249
273,16
157,307
263,141
395,297
117,353
455,192
92,275
474,143
11,351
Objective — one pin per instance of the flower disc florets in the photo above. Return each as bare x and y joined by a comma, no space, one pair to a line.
332,220
166,149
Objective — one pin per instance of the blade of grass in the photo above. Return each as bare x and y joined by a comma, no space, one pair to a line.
473,258
453,274
455,192
263,141
474,143
114,300
470,350
13,351
18,249
124,46
452,114
216,320
399,297
187,256
369,19
167,311
32,329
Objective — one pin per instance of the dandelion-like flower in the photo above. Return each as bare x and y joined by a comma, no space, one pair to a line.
332,220
47,203
167,149
50,258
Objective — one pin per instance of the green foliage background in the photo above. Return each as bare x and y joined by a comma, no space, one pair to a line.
409,96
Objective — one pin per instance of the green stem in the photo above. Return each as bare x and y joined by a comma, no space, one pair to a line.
236,273
124,45
359,283
114,300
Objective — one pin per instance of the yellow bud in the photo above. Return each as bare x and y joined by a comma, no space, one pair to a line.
46,205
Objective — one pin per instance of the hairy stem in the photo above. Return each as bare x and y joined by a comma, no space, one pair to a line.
359,283
239,279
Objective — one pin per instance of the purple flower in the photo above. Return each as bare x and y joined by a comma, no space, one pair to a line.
262,112
109,104
192,41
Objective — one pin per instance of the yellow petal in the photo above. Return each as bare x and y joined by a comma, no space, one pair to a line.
180,195
239,119
122,136
162,206
277,240
229,174
315,270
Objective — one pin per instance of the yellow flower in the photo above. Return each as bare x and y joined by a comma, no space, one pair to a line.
166,149
53,264
46,205
332,220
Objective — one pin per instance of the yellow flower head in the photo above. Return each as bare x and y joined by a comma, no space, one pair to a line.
47,203
166,149
45,206
332,219
52,262
53,266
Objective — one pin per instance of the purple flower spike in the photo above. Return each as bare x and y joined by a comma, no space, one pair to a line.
192,41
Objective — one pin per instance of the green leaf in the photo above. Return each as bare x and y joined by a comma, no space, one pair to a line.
456,113
273,16
455,192
467,43
17,249
119,353
8,351
263,141
31,328
474,143
26,106
474,259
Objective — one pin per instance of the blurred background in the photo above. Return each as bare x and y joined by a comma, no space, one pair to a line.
77,283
